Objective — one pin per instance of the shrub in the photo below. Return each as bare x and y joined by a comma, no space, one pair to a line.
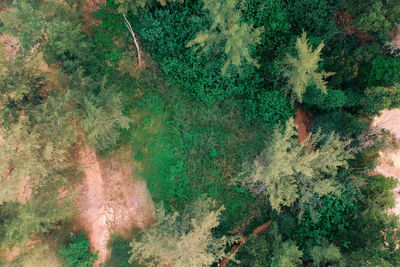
77,253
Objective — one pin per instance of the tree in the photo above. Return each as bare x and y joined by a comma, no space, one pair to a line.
103,119
376,16
23,222
269,249
20,81
325,254
227,26
287,170
303,71
182,240
52,27
133,5
377,99
286,255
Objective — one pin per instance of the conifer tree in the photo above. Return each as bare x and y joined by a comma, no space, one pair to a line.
24,222
51,26
290,171
20,78
227,27
303,70
103,119
182,240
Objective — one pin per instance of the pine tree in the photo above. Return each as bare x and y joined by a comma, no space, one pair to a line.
20,78
325,254
23,222
182,240
290,171
227,27
303,71
52,27
285,253
103,119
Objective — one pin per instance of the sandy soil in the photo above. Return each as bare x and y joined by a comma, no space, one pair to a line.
389,161
111,201
303,121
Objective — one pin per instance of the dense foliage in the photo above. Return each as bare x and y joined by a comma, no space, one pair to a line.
77,252
208,116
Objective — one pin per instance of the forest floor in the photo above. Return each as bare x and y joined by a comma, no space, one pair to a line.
111,200
389,161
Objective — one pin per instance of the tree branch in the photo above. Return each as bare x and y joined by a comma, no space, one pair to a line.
235,249
128,25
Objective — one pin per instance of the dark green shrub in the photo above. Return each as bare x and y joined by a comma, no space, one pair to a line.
379,98
313,16
325,101
120,252
271,106
381,71
77,252
340,122
331,219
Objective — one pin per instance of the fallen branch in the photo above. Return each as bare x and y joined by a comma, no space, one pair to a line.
128,25
236,248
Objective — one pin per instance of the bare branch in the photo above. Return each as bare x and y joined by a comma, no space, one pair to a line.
128,25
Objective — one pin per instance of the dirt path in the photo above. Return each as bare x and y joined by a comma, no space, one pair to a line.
111,201
389,161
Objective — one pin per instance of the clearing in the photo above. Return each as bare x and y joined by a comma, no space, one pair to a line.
111,201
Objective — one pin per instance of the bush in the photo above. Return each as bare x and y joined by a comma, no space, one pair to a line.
325,101
340,122
77,253
313,16
272,107
120,252
167,32
379,98
332,220
381,71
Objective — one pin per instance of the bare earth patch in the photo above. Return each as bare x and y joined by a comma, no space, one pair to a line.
389,161
303,121
111,201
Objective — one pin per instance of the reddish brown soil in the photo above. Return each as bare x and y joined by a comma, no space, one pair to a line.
303,121
111,201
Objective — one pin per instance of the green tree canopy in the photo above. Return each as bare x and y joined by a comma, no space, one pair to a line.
289,170
303,70
228,27
182,240
377,16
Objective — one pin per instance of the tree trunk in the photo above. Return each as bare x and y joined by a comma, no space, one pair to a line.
235,249
128,25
